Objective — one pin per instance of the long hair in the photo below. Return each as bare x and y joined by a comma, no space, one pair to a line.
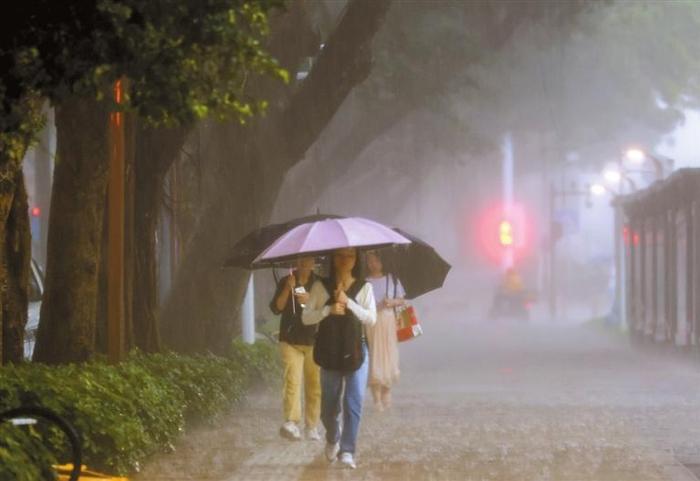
357,271
386,260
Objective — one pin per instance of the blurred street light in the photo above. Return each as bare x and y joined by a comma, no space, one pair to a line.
637,156
598,190
612,176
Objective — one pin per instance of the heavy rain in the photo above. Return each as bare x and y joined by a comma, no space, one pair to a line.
350,239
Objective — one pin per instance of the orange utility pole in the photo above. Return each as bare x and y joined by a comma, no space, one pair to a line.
115,271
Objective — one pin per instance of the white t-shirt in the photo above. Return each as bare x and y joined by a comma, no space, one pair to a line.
363,306
380,290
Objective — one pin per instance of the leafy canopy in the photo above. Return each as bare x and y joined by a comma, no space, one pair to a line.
184,59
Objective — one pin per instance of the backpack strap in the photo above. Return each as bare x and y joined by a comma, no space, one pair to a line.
329,289
355,288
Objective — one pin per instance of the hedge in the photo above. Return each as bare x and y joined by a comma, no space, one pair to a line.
128,412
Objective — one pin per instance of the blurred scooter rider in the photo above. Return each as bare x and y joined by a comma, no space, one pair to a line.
509,298
513,283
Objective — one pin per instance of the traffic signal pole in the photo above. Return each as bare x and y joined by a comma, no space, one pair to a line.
507,166
552,294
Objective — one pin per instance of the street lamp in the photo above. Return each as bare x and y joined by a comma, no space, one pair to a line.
612,176
637,156
598,190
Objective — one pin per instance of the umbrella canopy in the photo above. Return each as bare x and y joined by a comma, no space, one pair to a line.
418,265
252,245
323,236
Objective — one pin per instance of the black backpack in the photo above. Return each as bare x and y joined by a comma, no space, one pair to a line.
338,345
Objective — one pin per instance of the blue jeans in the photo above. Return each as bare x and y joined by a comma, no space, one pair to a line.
335,402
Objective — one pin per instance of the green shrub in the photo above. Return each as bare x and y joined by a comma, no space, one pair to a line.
261,360
208,384
123,413
128,412
23,455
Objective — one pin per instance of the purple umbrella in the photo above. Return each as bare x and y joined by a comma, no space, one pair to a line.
323,236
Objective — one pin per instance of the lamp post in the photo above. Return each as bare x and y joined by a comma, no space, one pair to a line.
115,251
555,232
616,177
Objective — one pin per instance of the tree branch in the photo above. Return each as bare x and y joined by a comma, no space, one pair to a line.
344,62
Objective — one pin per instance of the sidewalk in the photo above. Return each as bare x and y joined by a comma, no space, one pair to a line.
517,404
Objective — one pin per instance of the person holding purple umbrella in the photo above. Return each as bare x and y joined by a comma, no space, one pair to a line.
342,306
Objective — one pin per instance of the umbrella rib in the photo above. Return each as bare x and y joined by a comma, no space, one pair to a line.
345,232
308,234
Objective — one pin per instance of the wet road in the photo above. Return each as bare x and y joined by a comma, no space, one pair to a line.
477,402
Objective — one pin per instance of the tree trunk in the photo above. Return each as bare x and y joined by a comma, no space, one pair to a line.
15,259
202,309
148,198
68,312
102,287
155,151
130,126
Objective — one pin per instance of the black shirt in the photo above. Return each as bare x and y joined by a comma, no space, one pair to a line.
292,330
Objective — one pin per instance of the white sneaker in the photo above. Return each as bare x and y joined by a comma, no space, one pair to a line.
312,434
347,460
290,431
332,451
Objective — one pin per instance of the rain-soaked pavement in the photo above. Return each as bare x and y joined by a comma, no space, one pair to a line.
484,402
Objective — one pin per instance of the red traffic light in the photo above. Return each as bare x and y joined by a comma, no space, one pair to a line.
505,233
36,211
498,231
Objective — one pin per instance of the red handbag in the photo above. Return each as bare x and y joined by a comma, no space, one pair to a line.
407,325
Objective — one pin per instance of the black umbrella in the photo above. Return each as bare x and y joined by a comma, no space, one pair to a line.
419,267
252,245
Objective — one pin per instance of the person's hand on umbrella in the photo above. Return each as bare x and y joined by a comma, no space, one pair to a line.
341,297
338,309
291,282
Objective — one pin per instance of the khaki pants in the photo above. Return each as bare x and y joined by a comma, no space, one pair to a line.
299,363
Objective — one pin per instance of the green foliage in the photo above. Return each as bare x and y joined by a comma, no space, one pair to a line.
27,117
128,412
261,359
23,455
188,60
184,59
588,76
123,413
207,383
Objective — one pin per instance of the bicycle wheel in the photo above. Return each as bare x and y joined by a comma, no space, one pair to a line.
21,413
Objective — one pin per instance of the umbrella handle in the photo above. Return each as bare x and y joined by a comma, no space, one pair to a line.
294,300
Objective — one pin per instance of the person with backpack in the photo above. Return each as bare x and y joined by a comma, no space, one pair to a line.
383,343
342,306
296,342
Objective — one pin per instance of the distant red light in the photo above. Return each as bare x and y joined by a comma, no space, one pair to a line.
497,231
36,211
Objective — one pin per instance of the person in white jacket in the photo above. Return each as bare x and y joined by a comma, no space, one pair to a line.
341,305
